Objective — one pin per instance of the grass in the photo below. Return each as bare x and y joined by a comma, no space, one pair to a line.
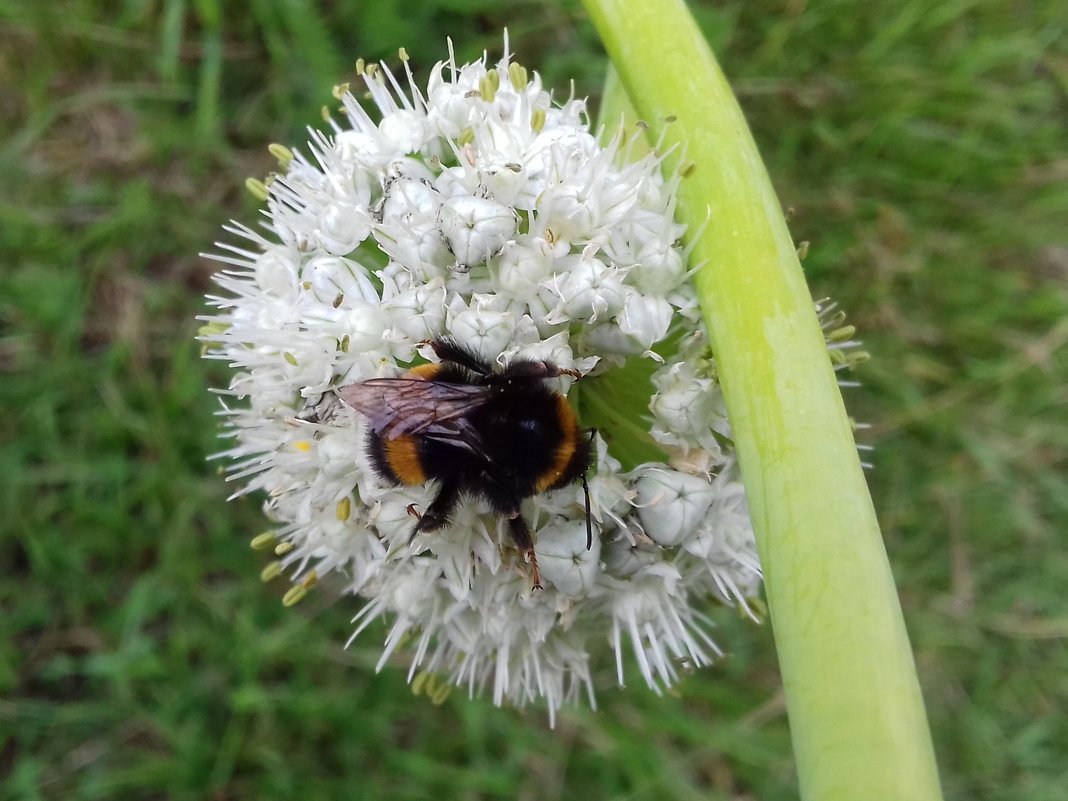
922,148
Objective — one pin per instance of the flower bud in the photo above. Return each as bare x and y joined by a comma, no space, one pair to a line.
482,330
623,559
338,452
359,150
342,227
644,319
276,273
326,277
671,504
564,561
419,312
364,324
521,268
404,131
591,290
475,228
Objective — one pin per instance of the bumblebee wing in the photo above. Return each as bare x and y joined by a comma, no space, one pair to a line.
398,407
458,433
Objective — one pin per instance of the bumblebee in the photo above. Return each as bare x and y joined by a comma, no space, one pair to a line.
499,434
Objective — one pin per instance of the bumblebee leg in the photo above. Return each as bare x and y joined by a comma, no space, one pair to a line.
437,513
520,532
414,512
449,350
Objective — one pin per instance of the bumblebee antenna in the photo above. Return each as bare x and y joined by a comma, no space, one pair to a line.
589,526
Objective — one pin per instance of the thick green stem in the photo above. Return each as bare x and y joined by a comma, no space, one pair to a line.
856,714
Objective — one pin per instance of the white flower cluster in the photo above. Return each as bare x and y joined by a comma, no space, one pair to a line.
478,209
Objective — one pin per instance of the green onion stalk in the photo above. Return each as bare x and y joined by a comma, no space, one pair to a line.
855,710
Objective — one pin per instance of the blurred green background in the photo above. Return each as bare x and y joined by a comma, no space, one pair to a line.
922,147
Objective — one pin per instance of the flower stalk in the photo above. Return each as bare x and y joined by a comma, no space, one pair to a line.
856,714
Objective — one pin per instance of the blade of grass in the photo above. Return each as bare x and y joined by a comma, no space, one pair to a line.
210,78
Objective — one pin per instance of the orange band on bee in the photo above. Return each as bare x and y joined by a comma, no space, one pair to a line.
426,372
402,454
565,451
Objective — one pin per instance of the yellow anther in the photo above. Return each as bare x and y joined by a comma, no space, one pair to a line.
344,506
419,682
517,74
208,335
262,542
537,120
441,694
842,334
272,571
256,188
488,85
282,153
858,357
213,328
294,595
